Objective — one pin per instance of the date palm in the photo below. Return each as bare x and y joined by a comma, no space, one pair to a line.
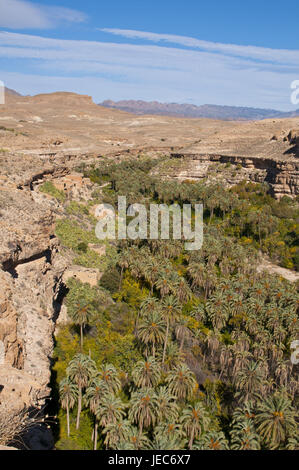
250,381
167,408
244,436
151,272
123,263
170,428
110,410
181,382
110,377
217,311
94,393
80,369
81,316
173,356
213,440
165,442
182,331
143,408
116,433
146,373
124,445
68,392
138,439
170,308
151,330
195,420
163,284
182,290
275,419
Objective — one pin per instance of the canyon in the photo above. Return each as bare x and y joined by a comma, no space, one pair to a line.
47,138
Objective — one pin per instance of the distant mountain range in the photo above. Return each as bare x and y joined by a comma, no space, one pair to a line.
12,92
227,113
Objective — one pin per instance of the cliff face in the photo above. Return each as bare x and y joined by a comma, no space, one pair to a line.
30,275
281,175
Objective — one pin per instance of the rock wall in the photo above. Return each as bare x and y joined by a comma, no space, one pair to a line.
31,270
281,175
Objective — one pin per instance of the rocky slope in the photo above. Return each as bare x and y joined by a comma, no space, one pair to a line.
30,275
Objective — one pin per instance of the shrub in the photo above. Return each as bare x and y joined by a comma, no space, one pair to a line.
110,280
49,188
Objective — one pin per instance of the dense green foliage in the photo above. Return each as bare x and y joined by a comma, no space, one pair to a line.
176,349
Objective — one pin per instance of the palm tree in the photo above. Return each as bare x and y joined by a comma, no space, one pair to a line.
94,393
124,445
170,428
182,331
144,408
123,262
173,356
182,290
181,382
168,409
81,316
244,436
195,420
151,330
80,369
110,377
165,442
116,433
68,392
203,276
213,440
151,272
250,381
135,439
163,284
146,373
275,419
110,410
170,307
217,310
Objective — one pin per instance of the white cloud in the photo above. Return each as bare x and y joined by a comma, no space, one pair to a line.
282,56
145,71
21,14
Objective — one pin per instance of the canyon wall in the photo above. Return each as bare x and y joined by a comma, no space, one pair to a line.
31,270
281,175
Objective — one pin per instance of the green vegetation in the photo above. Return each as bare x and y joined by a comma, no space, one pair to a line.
49,188
177,349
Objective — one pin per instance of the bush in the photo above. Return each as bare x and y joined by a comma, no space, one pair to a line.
110,280
71,234
49,188
82,247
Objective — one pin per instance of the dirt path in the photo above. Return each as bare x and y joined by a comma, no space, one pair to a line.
287,274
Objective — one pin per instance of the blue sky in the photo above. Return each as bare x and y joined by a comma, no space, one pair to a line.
218,52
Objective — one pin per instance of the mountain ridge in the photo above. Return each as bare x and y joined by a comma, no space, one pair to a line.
229,113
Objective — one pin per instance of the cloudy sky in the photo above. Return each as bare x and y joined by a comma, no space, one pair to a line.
172,51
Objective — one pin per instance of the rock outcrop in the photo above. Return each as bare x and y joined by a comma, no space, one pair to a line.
31,270
281,175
